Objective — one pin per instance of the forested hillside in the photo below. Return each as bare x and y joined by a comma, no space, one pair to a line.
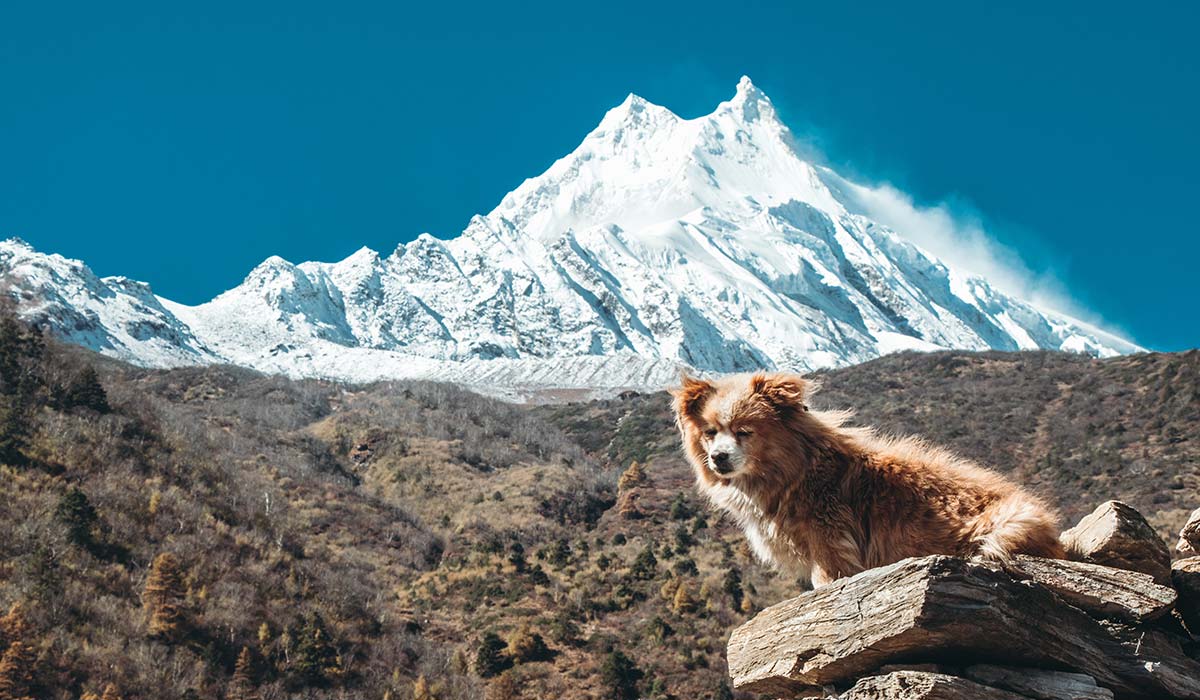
216,533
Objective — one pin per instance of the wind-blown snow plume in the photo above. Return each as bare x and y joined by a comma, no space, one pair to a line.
659,241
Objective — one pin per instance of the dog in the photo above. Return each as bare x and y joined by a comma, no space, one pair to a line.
822,501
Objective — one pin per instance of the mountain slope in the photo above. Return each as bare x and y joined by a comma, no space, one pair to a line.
709,242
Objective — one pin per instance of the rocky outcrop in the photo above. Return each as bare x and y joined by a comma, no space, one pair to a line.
942,627
1118,536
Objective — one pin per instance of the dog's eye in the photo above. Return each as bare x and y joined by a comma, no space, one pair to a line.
743,434
710,432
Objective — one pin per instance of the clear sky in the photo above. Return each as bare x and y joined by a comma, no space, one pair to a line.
183,146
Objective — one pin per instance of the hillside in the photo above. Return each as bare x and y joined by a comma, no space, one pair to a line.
368,541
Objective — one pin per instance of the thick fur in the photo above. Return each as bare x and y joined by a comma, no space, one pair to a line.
823,501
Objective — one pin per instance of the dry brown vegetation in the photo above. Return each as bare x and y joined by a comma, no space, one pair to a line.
409,540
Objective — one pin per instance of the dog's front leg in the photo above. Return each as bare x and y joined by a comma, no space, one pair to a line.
842,557
820,577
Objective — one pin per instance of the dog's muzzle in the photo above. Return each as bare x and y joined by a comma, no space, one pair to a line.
720,462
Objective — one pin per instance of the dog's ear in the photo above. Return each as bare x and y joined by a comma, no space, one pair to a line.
785,393
691,394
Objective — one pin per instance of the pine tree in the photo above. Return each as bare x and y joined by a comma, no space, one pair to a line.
491,658
241,686
12,625
316,659
684,602
163,599
645,566
85,391
77,515
16,671
21,351
620,676
635,475
14,431
733,586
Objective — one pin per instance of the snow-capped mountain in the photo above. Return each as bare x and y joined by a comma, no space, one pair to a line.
659,241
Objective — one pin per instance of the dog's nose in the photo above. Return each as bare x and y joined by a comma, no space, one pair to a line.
720,460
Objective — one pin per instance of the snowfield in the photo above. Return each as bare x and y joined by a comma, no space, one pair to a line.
659,242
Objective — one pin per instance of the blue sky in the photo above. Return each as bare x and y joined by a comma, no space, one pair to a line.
182,146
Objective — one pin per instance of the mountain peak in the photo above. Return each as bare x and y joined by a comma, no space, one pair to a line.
660,240
751,104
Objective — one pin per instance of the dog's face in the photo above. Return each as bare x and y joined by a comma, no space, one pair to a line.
727,423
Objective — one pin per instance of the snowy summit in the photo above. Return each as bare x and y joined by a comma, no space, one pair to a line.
659,241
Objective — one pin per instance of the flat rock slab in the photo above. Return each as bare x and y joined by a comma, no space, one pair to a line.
1039,684
1116,535
946,610
919,685
1185,575
1189,536
1101,590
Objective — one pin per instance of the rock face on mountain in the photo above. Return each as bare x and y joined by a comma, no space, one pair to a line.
711,242
939,627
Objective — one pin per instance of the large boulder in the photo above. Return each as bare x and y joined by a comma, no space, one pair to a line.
1189,536
1116,535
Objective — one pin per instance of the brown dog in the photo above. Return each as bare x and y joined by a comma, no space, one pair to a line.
823,501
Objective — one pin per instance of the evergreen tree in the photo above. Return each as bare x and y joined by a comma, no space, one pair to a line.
16,671
684,602
620,676
77,515
635,475
645,566
163,599
316,659
21,352
241,686
491,658
85,391
12,625
14,430
733,586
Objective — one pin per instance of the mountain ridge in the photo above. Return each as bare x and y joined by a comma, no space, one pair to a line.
658,242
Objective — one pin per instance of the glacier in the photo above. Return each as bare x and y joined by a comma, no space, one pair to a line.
660,242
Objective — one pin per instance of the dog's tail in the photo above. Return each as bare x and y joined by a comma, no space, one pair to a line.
1017,524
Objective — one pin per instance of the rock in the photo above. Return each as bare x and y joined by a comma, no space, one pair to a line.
1039,684
1116,535
1189,536
1185,575
920,685
1101,590
939,608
